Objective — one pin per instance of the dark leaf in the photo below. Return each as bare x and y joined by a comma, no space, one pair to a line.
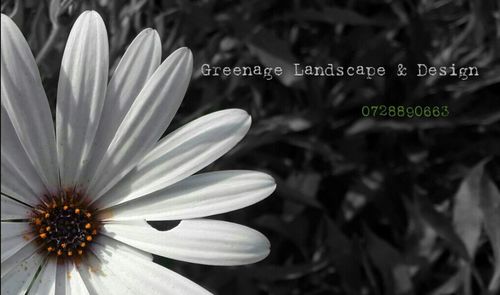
490,206
467,216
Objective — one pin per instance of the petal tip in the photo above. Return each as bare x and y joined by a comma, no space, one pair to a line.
185,52
84,13
150,36
93,13
147,32
270,179
90,16
152,33
248,120
271,182
267,243
6,21
238,113
274,186
263,248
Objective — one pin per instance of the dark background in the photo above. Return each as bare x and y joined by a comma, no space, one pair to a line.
363,205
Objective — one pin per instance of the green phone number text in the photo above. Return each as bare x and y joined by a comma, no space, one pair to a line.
394,111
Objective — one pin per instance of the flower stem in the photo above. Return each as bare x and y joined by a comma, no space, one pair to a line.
48,45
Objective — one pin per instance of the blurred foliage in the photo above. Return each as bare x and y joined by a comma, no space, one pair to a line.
363,206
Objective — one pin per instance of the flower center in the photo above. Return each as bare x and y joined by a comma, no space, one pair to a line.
65,224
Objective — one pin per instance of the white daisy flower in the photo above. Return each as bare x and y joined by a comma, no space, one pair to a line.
75,200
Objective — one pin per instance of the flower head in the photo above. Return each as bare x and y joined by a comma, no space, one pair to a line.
76,198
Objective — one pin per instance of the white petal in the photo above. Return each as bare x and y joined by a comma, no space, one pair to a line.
144,276
180,154
13,185
21,179
15,235
198,196
99,279
121,248
68,280
138,63
45,282
19,278
26,104
80,94
200,241
147,119
20,256
13,210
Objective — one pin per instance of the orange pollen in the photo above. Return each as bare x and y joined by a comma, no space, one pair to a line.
65,223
